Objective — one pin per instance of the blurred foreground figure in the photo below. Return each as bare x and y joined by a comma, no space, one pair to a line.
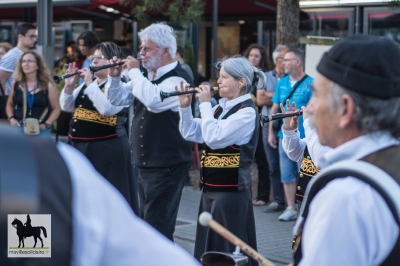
91,222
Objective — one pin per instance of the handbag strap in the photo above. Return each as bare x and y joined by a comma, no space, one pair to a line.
2,91
295,87
24,106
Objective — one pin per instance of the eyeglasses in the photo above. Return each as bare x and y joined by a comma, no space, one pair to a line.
33,37
98,57
28,61
287,60
147,49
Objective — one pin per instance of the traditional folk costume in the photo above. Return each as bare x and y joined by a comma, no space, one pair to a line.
230,137
162,155
336,186
97,129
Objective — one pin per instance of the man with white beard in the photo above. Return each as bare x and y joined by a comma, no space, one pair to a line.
162,156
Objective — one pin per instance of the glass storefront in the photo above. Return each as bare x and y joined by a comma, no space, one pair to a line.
330,23
382,21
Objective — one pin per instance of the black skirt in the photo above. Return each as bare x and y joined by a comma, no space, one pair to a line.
234,211
111,158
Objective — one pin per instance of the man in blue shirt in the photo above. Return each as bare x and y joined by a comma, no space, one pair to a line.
294,68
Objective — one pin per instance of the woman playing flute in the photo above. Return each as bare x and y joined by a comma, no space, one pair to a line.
229,132
97,128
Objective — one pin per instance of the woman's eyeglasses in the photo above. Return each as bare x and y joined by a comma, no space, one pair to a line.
98,57
28,61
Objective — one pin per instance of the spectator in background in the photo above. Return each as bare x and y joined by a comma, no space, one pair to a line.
26,34
264,99
180,56
72,54
258,58
32,77
87,40
4,48
297,85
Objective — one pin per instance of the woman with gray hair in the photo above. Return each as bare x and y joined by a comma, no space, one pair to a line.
229,132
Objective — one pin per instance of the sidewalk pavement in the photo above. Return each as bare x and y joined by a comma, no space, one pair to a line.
274,238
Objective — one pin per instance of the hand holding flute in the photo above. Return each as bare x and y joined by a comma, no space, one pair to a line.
130,62
290,123
203,94
70,82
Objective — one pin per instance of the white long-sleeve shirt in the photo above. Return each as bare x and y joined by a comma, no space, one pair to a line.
148,93
294,146
105,229
99,99
219,133
349,223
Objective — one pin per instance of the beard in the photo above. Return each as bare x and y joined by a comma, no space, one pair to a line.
153,63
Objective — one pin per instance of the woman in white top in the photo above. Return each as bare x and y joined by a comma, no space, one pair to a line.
97,127
229,132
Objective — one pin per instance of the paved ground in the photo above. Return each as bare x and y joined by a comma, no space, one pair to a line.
274,238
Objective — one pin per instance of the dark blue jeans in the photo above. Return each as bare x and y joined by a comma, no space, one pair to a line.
160,191
274,169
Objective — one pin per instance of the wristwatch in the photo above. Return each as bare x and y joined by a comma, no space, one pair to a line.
48,126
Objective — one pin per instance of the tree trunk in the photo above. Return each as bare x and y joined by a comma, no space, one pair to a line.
287,22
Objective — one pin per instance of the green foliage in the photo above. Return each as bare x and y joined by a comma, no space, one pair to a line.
182,12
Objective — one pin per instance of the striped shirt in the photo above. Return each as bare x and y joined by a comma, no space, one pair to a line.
8,64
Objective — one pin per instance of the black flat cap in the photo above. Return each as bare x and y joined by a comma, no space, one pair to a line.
364,63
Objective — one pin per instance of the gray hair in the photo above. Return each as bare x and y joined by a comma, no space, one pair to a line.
240,67
162,35
297,53
277,51
371,114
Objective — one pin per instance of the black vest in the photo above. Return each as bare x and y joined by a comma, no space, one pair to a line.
386,159
33,171
155,137
307,171
88,124
228,169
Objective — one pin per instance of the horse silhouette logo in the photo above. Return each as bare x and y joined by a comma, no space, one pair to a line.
36,226
24,231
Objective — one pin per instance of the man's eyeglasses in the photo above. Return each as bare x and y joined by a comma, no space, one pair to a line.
146,49
28,61
33,37
287,60
98,57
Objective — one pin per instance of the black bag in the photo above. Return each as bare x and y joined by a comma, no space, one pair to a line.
3,103
277,124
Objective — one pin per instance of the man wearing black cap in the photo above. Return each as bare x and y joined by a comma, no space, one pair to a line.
355,107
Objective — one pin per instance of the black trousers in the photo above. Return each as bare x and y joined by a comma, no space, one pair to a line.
160,191
264,183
